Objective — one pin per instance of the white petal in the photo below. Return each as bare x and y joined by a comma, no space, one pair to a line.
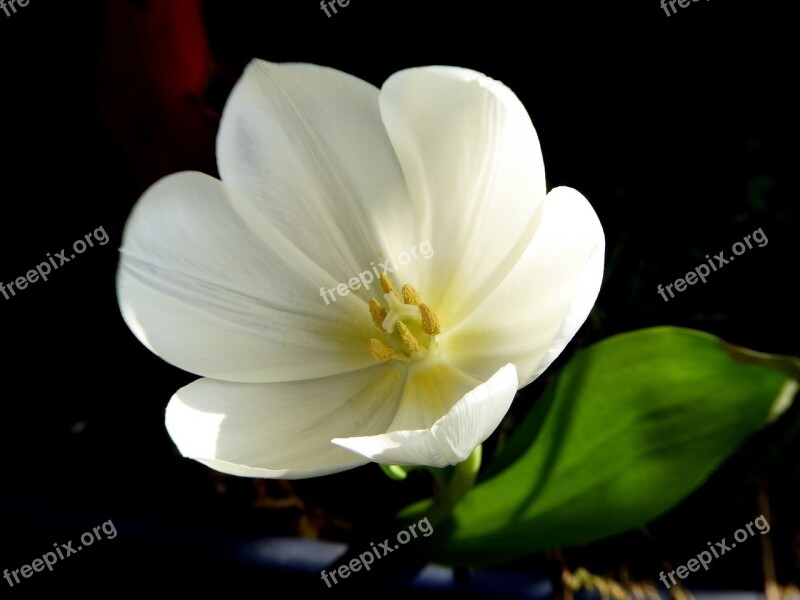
474,169
453,437
282,430
530,317
306,147
203,290
432,388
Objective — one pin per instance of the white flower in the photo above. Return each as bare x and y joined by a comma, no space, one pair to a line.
322,175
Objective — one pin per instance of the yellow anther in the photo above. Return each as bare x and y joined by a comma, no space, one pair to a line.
386,284
381,351
430,322
410,343
377,312
410,295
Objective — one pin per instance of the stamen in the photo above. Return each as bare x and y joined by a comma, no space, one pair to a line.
386,284
381,351
430,322
410,343
411,326
377,312
410,295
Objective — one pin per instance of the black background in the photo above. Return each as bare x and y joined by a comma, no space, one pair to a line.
680,130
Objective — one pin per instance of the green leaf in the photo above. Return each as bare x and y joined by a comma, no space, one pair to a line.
630,427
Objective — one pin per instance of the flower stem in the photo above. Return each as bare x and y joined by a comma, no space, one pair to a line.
454,483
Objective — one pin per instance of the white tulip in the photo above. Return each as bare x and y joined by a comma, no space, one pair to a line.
323,175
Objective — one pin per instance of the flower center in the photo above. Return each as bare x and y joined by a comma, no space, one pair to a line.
412,326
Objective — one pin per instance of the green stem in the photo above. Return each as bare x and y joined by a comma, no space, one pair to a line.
454,483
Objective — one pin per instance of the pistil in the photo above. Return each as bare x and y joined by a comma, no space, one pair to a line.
411,325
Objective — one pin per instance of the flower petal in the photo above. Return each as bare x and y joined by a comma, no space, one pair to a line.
206,292
475,174
453,437
529,318
282,430
432,388
306,147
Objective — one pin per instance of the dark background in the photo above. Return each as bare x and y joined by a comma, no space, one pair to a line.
680,130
